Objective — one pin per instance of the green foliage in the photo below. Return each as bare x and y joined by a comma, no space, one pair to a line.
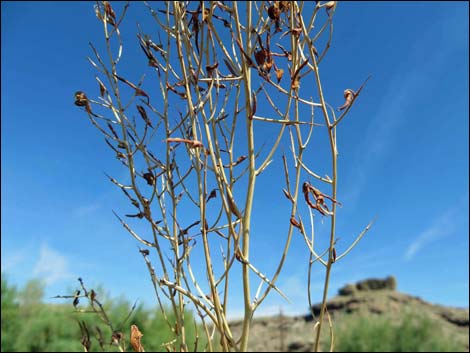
10,315
30,325
414,333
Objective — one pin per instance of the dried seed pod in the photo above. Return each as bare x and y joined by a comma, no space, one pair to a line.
139,215
334,255
213,194
330,5
295,223
144,116
145,252
109,10
116,337
260,56
149,178
135,340
102,89
238,255
92,295
85,340
295,83
274,13
76,300
279,73
349,97
81,100
210,68
268,64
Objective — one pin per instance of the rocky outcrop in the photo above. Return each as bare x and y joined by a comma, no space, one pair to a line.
370,284
367,298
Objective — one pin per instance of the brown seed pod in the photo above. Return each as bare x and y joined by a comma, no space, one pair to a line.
145,252
260,56
212,194
274,13
149,178
109,10
349,97
279,73
81,100
295,223
116,337
136,337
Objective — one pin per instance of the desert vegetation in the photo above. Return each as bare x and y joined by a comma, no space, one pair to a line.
195,154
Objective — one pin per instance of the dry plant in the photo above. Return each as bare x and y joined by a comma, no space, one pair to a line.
223,72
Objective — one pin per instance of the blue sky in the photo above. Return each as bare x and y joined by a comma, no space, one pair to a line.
403,156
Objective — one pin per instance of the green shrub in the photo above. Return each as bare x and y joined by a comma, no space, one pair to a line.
414,333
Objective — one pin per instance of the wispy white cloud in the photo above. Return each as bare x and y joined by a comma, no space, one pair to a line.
441,227
11,260
401,93
52,266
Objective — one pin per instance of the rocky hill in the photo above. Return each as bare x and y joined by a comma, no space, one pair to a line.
369,298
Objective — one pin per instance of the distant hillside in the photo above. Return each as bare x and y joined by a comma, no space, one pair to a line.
371,299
